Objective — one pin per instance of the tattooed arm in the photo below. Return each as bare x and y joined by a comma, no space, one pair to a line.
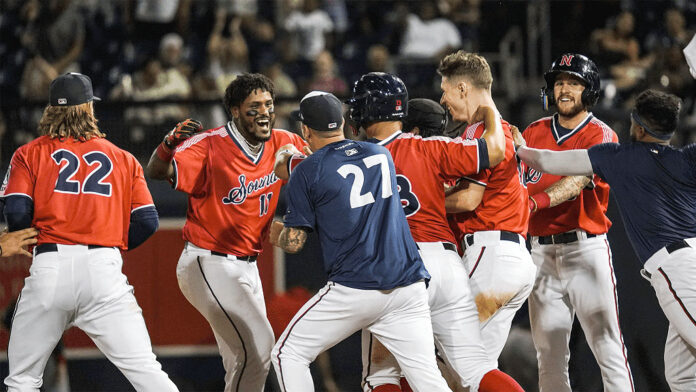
292,239
566,188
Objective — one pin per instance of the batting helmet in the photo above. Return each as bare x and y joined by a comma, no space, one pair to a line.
429,116
378,96
578,65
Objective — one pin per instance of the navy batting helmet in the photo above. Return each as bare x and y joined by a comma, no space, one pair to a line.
577,65
378,96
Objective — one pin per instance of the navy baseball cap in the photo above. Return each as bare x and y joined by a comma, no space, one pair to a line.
320,111
71,89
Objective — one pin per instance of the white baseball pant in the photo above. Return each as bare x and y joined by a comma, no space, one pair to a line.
228,293
455,325
501,273
577,277
84,287
399,318
672,273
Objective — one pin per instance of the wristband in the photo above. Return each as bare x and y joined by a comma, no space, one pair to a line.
164,153
541,200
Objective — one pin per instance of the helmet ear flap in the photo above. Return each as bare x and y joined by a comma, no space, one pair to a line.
546,98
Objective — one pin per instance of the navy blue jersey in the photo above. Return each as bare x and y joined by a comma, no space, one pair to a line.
347,192
655,188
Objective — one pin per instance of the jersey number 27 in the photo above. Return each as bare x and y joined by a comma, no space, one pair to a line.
358,199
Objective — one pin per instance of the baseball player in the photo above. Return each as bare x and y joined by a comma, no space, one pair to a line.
649,174
569,243
347,191
14,243
88,199
379,104
490,214
227,173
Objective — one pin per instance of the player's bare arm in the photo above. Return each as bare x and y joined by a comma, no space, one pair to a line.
160,165
517,138
292,239
494,136
566,188
14,243
465,199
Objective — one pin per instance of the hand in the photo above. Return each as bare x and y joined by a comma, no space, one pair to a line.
286,151
481,113
274,233
13,243
517,138
181,132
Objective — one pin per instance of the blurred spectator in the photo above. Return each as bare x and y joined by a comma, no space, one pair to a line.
616,43
427,35
228,56
152,83
326,76
671,73
56,38
379,59
284,85
152,19
171,54
310,28
466,15
673,32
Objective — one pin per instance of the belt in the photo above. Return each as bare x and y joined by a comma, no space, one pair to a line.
249,259
563,238
504,236
446,245
43,248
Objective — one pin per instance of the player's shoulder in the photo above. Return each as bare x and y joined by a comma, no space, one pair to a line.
596,125
283,134
203,137
543,123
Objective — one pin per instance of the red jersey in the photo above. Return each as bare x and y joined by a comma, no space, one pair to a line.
422,166
504,205
231,196
588,210
83,192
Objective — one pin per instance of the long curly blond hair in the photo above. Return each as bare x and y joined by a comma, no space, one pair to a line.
77,122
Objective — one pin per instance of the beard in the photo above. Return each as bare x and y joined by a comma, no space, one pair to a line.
572,111
254,132
632,137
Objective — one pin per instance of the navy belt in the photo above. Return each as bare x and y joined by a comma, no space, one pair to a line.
563,238
504,236
43,248
249,259
446,245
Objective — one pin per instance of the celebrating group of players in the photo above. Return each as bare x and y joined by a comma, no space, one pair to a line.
423,236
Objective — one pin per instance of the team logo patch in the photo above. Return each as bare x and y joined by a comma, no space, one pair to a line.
398,105
566,60
62,101
351,152
332,125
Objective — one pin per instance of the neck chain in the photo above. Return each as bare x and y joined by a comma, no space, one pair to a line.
252,149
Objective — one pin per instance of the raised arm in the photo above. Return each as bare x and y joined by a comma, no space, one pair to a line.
494,135
160,165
